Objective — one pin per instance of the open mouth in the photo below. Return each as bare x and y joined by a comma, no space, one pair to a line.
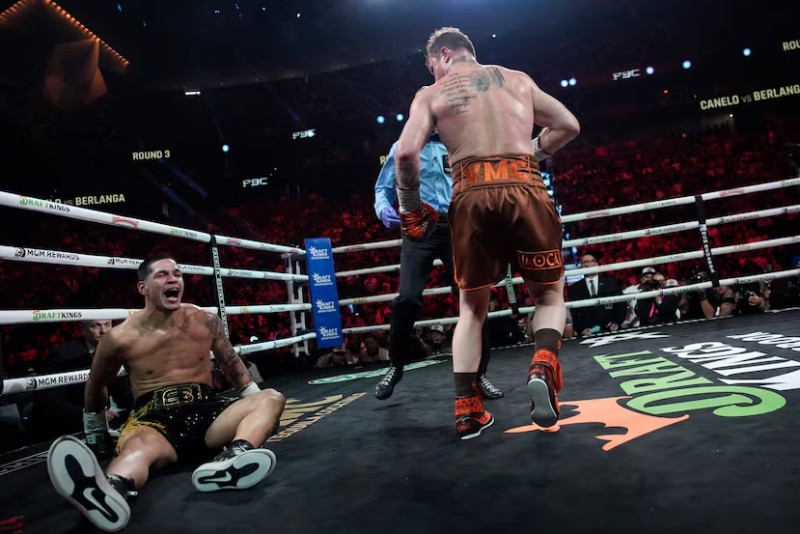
172,294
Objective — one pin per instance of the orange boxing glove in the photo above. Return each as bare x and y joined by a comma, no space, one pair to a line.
417,219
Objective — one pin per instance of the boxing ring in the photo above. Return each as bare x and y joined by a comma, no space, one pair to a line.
663,428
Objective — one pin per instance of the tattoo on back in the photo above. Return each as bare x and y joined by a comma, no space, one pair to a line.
497,77
480,81
460,88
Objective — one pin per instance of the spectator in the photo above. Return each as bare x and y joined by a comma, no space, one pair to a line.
600,318
59,410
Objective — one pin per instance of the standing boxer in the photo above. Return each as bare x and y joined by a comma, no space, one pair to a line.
500,212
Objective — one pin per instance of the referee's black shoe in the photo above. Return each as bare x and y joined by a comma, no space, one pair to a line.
487,389
385,387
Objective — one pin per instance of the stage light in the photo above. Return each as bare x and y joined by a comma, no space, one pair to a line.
687,64
494,36
381,119
573,82
747,52
400,117
226,148
564,83
119,8
649,70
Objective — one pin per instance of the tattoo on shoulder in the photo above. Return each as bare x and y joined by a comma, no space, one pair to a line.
497,77
214,324
480,81
460,89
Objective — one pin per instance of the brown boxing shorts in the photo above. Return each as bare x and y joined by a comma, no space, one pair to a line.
500,214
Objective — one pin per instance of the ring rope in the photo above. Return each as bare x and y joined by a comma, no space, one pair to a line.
23,316
57,257
53,208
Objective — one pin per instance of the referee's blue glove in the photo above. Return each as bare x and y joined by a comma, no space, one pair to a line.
389,217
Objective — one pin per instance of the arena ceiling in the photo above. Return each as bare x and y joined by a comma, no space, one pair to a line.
199,44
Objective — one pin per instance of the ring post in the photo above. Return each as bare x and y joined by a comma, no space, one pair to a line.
703,229
219,294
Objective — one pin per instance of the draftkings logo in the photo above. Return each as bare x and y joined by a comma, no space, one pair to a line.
322,279
318,253
55,315
325,306
298,416
328,333
661,392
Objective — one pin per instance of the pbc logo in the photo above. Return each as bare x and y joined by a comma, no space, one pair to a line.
19,252
446,164
627,74
255,182
322,279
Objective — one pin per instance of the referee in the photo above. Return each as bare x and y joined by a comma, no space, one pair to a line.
416,263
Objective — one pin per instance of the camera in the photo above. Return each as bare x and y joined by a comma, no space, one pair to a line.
743,299
696,279
651,285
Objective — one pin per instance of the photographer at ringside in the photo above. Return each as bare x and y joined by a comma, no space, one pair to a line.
751,298
785,292
652,310
700,303
658,309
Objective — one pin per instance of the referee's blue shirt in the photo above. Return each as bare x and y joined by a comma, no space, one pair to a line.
435,186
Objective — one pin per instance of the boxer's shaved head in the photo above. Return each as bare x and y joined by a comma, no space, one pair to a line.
448,37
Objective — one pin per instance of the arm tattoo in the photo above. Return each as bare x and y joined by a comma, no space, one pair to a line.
214,325
227,354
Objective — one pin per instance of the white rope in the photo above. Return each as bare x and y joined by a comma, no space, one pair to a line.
268,308
69,258
56,257
257,245
277,343
392,296
263,275
622,210
113,314
367,246
31,383
660,204
756,245
621,236
774,212
736,191
384,269
45,206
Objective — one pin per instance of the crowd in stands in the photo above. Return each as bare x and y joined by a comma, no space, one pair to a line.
617,174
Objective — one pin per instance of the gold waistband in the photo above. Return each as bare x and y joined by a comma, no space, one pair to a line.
175,395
